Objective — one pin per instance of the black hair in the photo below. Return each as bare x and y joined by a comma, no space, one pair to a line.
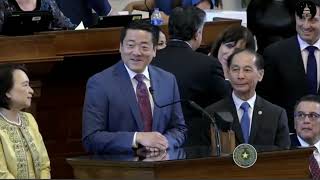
307,98
6,81
184,23
144,25
259,59
234,34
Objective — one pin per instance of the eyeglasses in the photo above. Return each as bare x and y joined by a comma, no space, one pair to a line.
301,116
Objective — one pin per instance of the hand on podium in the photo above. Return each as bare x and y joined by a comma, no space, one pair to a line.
156,155
152,141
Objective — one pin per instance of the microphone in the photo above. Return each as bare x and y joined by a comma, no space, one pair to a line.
200,109
154,101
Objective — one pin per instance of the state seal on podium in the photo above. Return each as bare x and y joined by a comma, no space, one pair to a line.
245,155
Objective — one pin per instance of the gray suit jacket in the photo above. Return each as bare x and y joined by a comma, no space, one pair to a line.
269,125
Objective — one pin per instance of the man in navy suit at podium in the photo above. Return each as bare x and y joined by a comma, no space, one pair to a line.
120,113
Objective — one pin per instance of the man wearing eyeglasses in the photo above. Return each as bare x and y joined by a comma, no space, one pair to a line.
307,122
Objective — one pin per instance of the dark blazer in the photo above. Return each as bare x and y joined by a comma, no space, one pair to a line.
199,78
284,80
111,113
294,140
80,10
269,122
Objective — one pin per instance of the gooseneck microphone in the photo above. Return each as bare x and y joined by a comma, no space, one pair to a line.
198,108
154,101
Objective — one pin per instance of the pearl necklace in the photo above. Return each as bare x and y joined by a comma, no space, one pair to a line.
11,122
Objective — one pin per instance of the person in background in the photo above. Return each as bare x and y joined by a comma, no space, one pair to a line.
166,6
234,37
59,20
292,65
22,151
255,120
120,113
81,10
271,21
307,122
162,43
199,76
307,125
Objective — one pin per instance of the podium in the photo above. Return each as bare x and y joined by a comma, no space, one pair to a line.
194,164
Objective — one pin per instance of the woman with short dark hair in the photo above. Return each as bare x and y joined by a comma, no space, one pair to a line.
22,152
234,37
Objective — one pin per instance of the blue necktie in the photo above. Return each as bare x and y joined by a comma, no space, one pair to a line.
312,71
245,121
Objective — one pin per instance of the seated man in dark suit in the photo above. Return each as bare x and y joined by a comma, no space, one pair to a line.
255,120
307,122
119,113
200,77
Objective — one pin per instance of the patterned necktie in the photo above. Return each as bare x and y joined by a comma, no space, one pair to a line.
314,167
312,70
144,103
245,121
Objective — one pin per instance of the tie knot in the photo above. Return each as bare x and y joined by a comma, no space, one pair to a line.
245,106
139,77
311,49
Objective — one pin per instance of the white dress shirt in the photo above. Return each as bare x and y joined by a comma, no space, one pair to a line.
237,102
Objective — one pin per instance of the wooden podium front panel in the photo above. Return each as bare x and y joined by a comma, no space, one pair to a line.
279,164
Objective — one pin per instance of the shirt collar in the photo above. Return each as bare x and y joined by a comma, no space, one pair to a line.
237,101
305,144
304,45
132,74
182,41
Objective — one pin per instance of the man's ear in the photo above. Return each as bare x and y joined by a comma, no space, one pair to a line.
261,73
120,47
8,95
196,35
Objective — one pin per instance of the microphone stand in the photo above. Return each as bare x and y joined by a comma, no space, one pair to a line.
199,108
213,122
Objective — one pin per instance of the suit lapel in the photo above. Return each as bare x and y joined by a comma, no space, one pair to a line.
296,62
257,117
300,75
297,57
124,82
155,84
